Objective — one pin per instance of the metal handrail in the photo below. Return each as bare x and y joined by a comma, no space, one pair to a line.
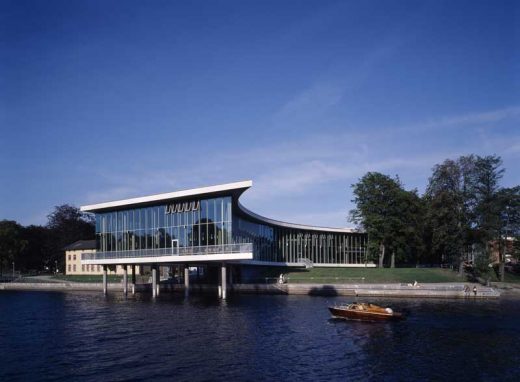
174,251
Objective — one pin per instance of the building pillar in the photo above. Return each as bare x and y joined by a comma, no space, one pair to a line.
133,279
105,280
186,280
158,280
219,282
154,280
125,279
224,281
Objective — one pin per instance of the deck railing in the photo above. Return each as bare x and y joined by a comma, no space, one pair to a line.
174,251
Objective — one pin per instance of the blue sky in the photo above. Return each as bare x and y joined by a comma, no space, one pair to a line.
103,100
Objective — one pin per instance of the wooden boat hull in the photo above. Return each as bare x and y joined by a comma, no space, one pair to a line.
364,315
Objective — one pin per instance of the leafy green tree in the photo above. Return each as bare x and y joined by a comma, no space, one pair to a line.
11,242
445,212
388,214
509,221
465,207
488,173
66,225
410,228
38,247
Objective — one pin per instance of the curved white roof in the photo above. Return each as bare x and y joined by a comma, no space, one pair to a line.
244,185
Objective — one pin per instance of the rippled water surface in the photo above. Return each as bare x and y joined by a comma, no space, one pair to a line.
85,336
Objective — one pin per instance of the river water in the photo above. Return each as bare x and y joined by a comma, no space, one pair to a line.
85,336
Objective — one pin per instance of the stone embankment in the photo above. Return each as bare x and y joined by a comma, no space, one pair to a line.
58,286
433,290
437,290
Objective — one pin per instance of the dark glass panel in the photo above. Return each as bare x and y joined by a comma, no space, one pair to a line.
196,216
203,234
211,234
162,216
148,222
182,236
227,209
203,210
119,226
211,210
218,209
195,235
218,233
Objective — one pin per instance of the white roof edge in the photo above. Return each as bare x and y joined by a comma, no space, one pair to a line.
169,195
296,226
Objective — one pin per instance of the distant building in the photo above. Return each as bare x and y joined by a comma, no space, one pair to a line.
73,264
496,247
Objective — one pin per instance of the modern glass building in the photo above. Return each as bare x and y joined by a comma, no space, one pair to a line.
205,225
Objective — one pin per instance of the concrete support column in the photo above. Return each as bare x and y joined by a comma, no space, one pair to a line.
224,280
158,280
219,282
154,280
186,280
105,280
133,279
125,279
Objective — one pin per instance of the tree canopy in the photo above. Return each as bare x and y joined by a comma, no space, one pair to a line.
463,211
37,247
390,215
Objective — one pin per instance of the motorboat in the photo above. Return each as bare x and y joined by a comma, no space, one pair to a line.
365,312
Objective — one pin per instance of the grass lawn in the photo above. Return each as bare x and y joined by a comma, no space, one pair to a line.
508,278
370,275
88,278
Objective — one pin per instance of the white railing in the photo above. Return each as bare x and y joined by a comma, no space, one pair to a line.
174,251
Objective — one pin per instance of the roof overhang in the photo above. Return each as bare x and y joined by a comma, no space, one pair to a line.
234,189
262,219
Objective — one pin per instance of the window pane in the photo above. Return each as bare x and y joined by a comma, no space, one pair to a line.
196,216
203,211
211,210
162,213
196,234
218,210
218,233
227,209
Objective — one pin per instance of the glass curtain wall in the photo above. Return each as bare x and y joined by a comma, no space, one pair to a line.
157,226
280,244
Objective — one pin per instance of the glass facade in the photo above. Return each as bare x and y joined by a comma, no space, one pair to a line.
290,245
210,222
184,224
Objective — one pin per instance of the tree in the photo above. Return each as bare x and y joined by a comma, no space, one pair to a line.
488,204
387,212
465,207
509,223
410,230
67,224
445,212
38,247
11,242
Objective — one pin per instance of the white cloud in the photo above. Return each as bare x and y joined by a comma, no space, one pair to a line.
461,121
300,167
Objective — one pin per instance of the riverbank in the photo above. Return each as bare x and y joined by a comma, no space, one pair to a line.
426,290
